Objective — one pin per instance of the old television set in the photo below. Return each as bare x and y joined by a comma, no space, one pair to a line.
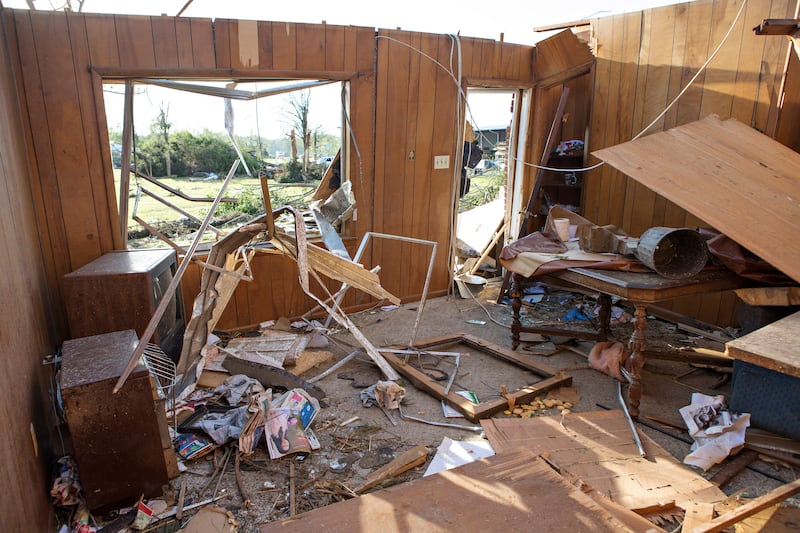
121,290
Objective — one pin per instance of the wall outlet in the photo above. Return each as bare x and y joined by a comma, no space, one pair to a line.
441,161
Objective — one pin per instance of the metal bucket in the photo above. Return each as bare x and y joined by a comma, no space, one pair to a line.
675,253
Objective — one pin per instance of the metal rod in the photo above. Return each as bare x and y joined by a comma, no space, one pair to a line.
442,424
166,299
635,433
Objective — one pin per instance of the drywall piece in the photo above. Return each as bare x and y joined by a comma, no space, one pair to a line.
597,447
740,181
501,493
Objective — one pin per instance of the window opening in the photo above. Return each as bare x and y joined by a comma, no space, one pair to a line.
186,134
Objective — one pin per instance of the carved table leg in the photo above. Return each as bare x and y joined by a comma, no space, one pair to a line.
516,303
604,316
637,345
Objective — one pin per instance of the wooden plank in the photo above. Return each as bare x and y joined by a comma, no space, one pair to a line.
223,28
95,133
781,296
772,347
165,41
698,48
721,75
183,38
135,41
597,447
561,52
519,486
771,73
402,463
264,44
594,181
203,43
284,46
412,278
733,169
334,47
755,505
732,467
310,46
787,133
102,36
748,68
244,44
423,153
62,107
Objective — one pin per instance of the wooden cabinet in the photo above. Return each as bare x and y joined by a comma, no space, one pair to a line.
121,441
121,290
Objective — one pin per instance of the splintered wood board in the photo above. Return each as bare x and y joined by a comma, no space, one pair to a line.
729,175
597,448
512,491
553,379
774,346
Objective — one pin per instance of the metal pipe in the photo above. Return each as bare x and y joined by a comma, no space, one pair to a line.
635,433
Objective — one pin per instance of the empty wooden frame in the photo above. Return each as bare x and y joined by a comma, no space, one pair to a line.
474,412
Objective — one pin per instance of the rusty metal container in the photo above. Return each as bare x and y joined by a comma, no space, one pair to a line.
675,253
120,441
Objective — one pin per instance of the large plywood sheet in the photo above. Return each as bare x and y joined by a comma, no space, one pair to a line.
598,449
742,182
513,491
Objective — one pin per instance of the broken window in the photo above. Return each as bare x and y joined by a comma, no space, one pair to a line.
185,135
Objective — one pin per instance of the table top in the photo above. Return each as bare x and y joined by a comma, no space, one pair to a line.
774,346
647,287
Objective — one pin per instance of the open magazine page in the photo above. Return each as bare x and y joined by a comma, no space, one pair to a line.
285,433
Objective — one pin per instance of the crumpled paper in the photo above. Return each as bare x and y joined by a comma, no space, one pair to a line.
237,386
717,433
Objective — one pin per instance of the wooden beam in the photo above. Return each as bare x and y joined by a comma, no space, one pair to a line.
750,508
404,462
777,27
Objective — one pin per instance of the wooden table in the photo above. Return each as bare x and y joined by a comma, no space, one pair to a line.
639,289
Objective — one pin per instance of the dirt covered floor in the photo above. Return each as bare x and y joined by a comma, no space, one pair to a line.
356,440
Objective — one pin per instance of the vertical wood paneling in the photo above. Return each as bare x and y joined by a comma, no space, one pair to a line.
676,40
594,203
26,334
60,95
203,43
423,147
443,183
102,37
43,183
333,48
222,42
412,168
284,46
165,41
135,41
790,114
310,47
94,129
183,40
264,44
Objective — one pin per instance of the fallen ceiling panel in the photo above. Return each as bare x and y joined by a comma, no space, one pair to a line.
741,182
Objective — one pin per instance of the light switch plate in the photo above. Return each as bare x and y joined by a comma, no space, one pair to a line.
441,161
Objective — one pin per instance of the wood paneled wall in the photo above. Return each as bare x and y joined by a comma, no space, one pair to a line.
24,335
644,59
400,101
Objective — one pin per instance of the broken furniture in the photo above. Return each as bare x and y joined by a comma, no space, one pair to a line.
121,290
473,412
121,442
766,376
639,289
